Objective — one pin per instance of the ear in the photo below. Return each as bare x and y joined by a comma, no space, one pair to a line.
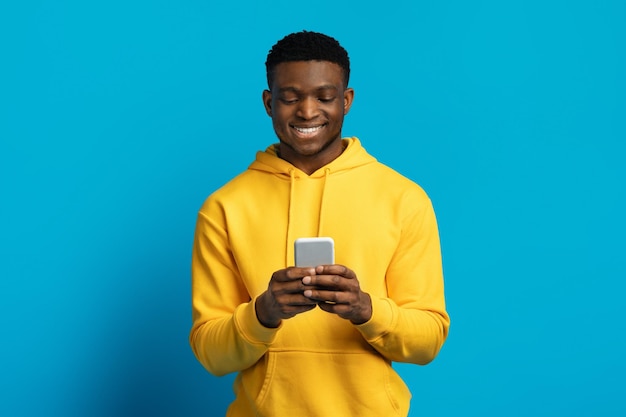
348,97
267,102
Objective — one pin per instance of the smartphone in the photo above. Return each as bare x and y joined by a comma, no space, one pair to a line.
314,251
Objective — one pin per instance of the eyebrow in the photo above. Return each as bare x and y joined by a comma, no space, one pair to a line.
296,90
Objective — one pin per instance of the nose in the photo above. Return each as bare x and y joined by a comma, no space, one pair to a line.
307,108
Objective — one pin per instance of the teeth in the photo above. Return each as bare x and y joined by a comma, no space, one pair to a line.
308,129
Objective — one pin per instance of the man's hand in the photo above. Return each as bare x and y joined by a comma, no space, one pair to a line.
284,297
337,290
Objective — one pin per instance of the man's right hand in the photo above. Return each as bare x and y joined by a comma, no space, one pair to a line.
284,297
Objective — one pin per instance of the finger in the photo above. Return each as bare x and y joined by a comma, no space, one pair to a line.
346,311
333,283
294,300
291,311
335,297
287,288
330,282
339,309
297,273
292,274
335,270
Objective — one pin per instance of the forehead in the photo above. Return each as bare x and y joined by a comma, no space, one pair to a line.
307,74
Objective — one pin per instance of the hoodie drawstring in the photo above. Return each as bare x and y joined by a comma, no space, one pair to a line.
289,239
290,215
319,220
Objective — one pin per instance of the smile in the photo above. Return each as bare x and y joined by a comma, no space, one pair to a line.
308,130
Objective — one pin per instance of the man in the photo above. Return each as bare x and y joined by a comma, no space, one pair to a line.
316,341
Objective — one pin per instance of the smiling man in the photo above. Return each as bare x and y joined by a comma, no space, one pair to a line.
316,341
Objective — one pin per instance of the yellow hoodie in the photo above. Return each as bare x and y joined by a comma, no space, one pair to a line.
317,364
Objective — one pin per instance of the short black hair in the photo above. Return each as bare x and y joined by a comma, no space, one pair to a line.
307,46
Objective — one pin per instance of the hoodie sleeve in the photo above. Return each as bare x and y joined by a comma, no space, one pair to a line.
226,335
411,324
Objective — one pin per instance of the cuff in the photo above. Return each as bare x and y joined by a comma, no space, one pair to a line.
250,327
382,321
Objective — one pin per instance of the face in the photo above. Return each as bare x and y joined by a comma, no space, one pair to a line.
307,104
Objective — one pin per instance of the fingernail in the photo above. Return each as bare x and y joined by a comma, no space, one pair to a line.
308,293
306,280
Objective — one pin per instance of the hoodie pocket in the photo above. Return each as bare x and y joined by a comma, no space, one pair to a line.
325,384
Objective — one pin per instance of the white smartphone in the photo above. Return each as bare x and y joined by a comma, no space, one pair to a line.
314,251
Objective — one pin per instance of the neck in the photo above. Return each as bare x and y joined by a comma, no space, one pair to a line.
310,163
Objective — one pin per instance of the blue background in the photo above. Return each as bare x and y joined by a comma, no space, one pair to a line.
117,119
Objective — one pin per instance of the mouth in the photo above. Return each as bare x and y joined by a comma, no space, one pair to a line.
307,131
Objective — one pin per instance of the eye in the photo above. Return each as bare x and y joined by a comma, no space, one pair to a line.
289,101
326,99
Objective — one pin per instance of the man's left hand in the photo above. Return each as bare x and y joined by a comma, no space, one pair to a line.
337,291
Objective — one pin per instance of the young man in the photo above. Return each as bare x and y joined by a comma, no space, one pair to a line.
316,341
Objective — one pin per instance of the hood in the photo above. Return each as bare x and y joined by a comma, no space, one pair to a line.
353,156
